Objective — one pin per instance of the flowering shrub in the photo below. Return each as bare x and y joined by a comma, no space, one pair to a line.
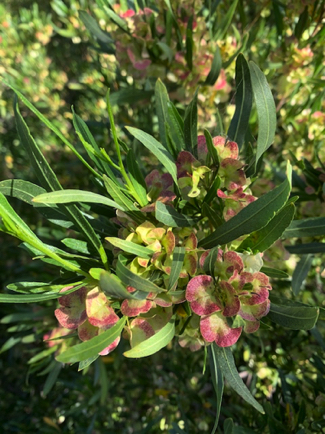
175,253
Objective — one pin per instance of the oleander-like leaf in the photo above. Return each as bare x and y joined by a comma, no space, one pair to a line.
162,99
300,273
170,217
176,267
253,217
225,23
90,348
293,315
304,249
130,247
190,126
215,68
137,177
157,149
264,238
210,261
244,99
274,273
153,344
226,363
176,125
112,286
218,383
93,28
265,110
34,298
312,227
131,279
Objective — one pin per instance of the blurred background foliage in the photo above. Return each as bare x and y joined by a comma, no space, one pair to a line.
59,57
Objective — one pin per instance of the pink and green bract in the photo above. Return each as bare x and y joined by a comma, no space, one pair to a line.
207,307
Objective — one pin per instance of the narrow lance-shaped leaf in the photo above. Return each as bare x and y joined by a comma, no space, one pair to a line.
176,268
170,217
253,217
304,249
223,27
131,279
69,196
33,298
190,126
153,344
15,226
264,238
112,286
93,28
48,178
292,315
226,363
122,201
130,247
137,177
274,273
26,191
162,98
90,348
244,99
215,68
265,110
300,273
157,149
218,383
312,227
176,127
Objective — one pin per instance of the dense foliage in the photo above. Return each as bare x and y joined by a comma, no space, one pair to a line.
185,223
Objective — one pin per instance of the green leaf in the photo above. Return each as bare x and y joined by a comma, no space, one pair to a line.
218,383
51,378
304,249
120,22
176,268
21,125
157,149
26,191
264,238
225,361
223,27
91,348
94,29
274,273
130,95
212,215
131,279
228,426
68,196
212,192
86,137
77,245
244,98
300,273
85,363
15,226
121,200
302,23
253,217
210,261
170,217
212,150
113,287
265,110
33,298
47,177
215,68
162,99
130,247
153,344
176,129
312,227
137,177
190,125
293,317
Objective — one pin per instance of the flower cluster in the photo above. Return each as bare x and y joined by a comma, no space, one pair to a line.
209,306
